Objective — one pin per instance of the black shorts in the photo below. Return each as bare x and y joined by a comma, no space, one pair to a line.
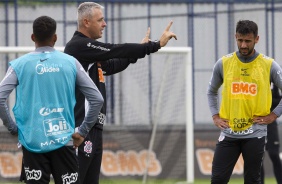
90,157
226,154
61,163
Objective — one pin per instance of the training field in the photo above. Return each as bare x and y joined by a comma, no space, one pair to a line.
197,181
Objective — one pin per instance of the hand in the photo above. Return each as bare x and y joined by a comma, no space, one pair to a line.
146,39
13,129
77,139
219,122
265,120
167,35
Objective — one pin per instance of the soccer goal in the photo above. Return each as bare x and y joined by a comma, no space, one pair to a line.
177,75
149,130
152,104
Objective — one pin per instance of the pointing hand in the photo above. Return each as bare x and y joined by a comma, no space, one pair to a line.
167,35
146,39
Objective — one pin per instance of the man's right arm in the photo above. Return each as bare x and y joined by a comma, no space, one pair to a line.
7,85
214,84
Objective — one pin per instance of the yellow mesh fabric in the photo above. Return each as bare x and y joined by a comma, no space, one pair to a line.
246,90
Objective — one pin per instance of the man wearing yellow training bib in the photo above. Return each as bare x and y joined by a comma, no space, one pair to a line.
244,77
244,86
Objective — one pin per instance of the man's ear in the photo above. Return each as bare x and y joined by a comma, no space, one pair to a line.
32,37
257,39
85,22
54,38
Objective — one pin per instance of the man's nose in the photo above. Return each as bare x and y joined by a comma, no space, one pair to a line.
244,44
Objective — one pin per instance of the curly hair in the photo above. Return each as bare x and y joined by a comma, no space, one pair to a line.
43,28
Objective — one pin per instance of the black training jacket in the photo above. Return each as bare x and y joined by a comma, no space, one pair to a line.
99,58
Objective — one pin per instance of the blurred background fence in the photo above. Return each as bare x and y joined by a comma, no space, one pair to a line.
206,26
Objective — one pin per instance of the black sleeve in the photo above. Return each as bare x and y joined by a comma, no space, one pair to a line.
116,65
276,97
87,50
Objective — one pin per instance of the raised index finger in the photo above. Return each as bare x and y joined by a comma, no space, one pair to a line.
148,32
168,26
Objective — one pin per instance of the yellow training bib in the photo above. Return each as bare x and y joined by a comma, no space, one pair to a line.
246,90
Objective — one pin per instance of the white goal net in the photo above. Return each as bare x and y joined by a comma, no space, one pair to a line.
148,133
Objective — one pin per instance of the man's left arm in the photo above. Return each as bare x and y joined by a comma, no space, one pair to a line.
276,78
92,95
116,65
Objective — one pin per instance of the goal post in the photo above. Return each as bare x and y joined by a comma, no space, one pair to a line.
188,76
155,92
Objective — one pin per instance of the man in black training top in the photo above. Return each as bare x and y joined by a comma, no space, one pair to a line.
97,59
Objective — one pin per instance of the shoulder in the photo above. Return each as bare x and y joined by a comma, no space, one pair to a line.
79,38
218,67
63,54
20,60
266,58
64,57
275,65
229,55
77,42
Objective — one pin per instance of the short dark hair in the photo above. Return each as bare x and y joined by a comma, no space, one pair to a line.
44,28
246,27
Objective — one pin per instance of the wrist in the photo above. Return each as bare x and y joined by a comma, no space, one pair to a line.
274,115
158,42
215,116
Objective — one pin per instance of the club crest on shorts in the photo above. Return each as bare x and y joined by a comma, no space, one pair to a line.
88,148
